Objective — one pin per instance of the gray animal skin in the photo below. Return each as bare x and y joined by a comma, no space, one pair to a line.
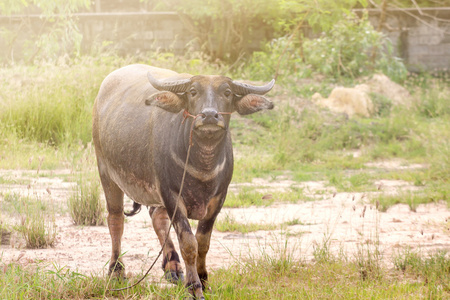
141,140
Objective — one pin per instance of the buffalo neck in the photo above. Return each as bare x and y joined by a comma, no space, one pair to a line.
206,153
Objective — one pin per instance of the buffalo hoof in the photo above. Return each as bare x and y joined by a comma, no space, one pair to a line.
196,291
117,270
194,298
173,277
203,280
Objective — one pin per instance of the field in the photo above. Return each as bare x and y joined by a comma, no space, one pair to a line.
320,206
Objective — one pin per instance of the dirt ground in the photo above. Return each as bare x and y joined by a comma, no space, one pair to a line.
346,220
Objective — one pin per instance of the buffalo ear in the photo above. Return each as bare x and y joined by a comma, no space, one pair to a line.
252,103
167,100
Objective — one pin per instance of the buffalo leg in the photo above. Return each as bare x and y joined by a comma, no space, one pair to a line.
114,205
189,252
171,263
203,236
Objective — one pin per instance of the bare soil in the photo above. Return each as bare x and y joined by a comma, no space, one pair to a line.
346,222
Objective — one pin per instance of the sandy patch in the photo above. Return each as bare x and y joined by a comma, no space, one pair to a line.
347,220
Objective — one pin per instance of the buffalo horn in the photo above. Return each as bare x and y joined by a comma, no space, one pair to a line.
176,86
243,89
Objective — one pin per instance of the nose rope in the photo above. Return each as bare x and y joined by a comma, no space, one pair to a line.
187,114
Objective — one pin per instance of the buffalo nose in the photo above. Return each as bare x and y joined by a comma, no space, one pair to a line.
210,116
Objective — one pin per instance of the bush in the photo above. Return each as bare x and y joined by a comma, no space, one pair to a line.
352,48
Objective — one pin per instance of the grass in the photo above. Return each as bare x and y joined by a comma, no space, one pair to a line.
230,224
361,181
432,193
46,281
16,204
248,197
37,224
433,267
337,279
37,231
279,277
31,217
85,205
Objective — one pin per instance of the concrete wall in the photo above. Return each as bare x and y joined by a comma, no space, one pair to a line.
421,38
133,32
127,32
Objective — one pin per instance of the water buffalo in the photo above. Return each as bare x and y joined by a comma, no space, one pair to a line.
141,137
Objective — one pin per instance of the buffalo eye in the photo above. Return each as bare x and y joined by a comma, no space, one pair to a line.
227,93
193,92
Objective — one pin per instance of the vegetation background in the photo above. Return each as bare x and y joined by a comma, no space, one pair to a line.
45,124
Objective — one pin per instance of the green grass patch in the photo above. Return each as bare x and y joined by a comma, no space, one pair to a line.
16,204
44,281
433,268
413,198
246,197
292,279
281,276
249,196
358,182
230,224
294,222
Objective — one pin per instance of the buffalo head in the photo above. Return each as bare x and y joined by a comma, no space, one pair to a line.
210,99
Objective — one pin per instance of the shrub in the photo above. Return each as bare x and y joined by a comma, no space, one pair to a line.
352,48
